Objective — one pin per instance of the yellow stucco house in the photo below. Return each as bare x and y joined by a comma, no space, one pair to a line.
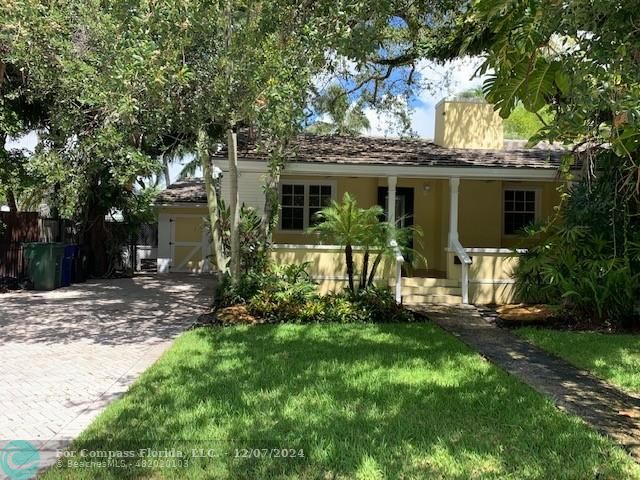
469,191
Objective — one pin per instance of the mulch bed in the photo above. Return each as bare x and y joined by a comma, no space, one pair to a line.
549,316
236,315
226,317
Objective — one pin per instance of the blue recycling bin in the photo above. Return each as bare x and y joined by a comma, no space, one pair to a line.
74,264
66,272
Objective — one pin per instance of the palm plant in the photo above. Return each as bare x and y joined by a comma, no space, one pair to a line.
404,237
348,225
340,116
345,224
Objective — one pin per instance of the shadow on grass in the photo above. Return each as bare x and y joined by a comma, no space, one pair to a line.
614,357
361,401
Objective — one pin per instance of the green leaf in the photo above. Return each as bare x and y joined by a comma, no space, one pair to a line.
628,141
539,85
504,90
563,82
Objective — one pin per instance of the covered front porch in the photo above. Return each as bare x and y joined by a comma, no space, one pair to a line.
468,231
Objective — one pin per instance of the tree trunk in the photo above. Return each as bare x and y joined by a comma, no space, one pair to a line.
8,192
374,268
348,255
11,200
97,245
232,148
165,171
212,202
270,205
365,269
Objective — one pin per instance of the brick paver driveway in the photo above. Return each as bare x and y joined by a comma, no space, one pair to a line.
65,354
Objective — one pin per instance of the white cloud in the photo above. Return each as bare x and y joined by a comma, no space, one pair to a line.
439,81
422,121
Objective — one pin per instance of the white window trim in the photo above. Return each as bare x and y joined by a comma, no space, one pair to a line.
538,205
307,184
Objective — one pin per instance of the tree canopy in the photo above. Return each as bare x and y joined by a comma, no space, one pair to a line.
337,115
579,59
115,87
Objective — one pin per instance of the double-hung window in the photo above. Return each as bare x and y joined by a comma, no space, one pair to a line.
301,201
520,210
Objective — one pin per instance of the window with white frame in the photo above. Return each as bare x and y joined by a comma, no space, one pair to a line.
519,209
300,202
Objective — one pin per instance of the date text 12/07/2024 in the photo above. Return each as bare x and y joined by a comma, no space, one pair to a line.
268,453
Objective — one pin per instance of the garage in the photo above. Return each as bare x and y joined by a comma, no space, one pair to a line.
183,244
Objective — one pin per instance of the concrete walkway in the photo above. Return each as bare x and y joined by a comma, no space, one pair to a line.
67,353
604,407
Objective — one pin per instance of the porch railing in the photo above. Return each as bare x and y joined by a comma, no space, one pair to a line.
399,261
465,260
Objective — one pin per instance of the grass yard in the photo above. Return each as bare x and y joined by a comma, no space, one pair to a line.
612,357
361,401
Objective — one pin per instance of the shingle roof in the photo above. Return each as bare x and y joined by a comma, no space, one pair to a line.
191,190
382,151
409,152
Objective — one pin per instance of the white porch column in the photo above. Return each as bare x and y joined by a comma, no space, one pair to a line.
391,219
454,186
391,200
454,240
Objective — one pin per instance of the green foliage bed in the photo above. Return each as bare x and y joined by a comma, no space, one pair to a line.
287,294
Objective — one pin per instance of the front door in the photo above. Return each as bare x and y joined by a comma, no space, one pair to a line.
404,206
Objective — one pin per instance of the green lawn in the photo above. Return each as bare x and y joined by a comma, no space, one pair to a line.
361,401
612,357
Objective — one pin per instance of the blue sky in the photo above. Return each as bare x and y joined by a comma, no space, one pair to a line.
441,81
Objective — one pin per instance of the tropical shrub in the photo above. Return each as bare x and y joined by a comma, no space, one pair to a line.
287,293
340,309
271,279
283,297
253,255
587,260
531,285
380,305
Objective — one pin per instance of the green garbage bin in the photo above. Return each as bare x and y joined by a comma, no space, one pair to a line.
44,264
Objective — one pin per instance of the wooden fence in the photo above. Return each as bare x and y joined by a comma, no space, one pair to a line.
24,227
19,227
138,248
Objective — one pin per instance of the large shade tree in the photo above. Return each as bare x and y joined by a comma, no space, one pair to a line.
128,82
256,69
102,78
580,60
